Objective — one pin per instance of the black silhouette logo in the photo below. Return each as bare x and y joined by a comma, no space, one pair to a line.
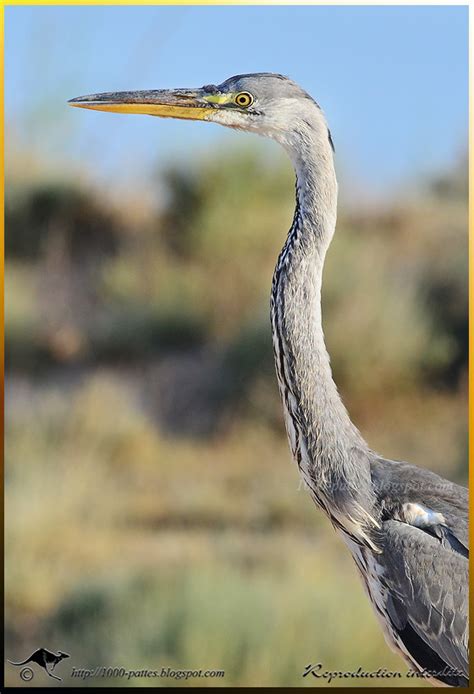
45,659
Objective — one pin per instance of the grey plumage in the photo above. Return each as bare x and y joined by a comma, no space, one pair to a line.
425,570
405,526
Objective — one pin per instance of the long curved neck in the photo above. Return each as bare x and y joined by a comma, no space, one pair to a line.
323,439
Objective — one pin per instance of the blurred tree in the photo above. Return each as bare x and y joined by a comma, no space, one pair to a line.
76,219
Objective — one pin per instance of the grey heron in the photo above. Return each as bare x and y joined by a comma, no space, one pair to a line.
405,526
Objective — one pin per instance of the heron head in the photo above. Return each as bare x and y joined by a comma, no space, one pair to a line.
266,103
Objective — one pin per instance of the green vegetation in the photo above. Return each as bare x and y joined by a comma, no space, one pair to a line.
154,518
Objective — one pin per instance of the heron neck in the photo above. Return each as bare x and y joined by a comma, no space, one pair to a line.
318,424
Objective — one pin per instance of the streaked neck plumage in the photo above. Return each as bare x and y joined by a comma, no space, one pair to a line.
330,451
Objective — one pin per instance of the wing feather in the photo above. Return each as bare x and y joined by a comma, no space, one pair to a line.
428,584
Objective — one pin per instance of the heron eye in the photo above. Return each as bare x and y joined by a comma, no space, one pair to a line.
244,99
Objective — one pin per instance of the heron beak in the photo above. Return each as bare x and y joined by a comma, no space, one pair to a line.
189,104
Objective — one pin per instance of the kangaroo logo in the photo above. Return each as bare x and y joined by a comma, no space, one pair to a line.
45,659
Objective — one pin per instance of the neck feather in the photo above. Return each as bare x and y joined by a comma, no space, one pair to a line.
327,446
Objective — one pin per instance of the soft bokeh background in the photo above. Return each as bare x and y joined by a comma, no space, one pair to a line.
154,517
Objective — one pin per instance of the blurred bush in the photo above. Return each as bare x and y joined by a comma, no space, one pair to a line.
58,214
85,284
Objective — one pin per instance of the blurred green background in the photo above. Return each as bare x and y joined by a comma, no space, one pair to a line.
153,515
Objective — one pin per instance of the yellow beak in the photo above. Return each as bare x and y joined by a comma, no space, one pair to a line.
165,103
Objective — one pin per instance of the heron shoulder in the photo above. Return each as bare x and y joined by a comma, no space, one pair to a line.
397,482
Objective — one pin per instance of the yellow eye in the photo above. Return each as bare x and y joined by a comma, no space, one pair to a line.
243,99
